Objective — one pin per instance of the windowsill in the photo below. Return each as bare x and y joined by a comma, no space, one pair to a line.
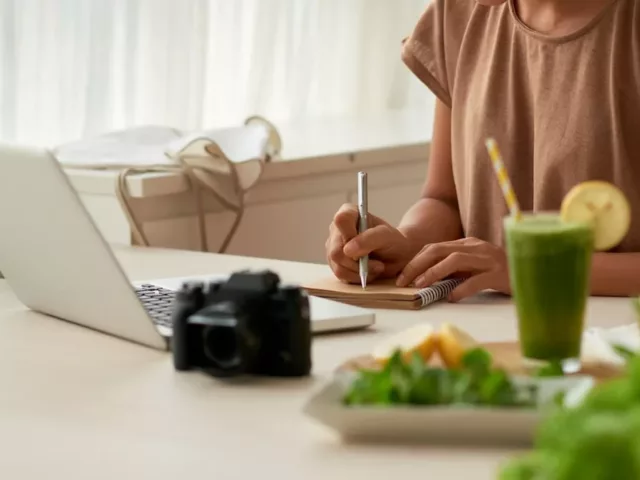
312,146
330,136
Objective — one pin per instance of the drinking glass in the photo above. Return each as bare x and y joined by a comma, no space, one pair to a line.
549,265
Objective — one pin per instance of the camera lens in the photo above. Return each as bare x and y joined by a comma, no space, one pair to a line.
222,346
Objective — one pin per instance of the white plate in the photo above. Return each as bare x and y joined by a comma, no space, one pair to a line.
461,425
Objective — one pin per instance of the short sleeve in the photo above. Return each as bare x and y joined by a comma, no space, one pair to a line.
429,50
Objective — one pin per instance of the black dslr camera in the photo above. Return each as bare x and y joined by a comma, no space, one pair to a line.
248,324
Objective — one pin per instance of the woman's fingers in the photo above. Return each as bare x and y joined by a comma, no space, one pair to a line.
376,268
344,261
370,240
345,268
472,286
345,222
345,246
344,274
427,258
457,262
336,254
350,276
482,262
334,247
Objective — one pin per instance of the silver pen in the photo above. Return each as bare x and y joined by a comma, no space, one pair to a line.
363,209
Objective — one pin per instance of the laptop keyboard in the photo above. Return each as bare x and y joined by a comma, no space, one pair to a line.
158,302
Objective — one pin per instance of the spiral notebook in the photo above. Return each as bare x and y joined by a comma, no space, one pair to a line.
382,294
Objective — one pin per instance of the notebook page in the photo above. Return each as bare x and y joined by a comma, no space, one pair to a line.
378,290
381,290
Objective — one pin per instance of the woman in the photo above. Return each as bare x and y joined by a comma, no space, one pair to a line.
557,83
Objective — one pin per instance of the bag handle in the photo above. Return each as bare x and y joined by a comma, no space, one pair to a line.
197,169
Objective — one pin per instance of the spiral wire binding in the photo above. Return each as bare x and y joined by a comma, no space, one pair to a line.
438,291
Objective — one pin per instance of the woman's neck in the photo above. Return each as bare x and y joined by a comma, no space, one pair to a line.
559,17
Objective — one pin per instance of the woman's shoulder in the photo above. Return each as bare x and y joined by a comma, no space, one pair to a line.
431,50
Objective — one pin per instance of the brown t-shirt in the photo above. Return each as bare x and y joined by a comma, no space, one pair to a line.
562,109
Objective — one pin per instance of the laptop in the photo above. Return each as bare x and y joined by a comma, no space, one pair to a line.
58,263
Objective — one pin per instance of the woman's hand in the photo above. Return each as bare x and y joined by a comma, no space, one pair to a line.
482,264
388,249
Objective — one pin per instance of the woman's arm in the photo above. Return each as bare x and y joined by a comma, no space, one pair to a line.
615,274
435,217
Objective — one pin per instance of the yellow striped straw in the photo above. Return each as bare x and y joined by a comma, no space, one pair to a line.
503,178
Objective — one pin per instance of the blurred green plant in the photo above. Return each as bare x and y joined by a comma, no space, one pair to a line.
597,440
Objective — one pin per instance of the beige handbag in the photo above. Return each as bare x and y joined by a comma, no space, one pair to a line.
222,165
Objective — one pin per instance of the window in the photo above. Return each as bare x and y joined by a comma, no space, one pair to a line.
73,68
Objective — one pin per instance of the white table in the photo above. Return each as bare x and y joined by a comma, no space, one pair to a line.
76,404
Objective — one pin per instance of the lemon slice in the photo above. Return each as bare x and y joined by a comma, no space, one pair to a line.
421,339
453,343
604,206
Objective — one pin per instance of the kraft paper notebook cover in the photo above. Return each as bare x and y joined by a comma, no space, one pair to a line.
383,294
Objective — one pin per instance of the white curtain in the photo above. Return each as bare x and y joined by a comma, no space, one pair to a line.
74,68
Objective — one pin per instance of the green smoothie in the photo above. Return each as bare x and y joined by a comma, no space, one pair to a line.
549,265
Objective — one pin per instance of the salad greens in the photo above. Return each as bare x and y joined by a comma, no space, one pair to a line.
596,440
415,382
